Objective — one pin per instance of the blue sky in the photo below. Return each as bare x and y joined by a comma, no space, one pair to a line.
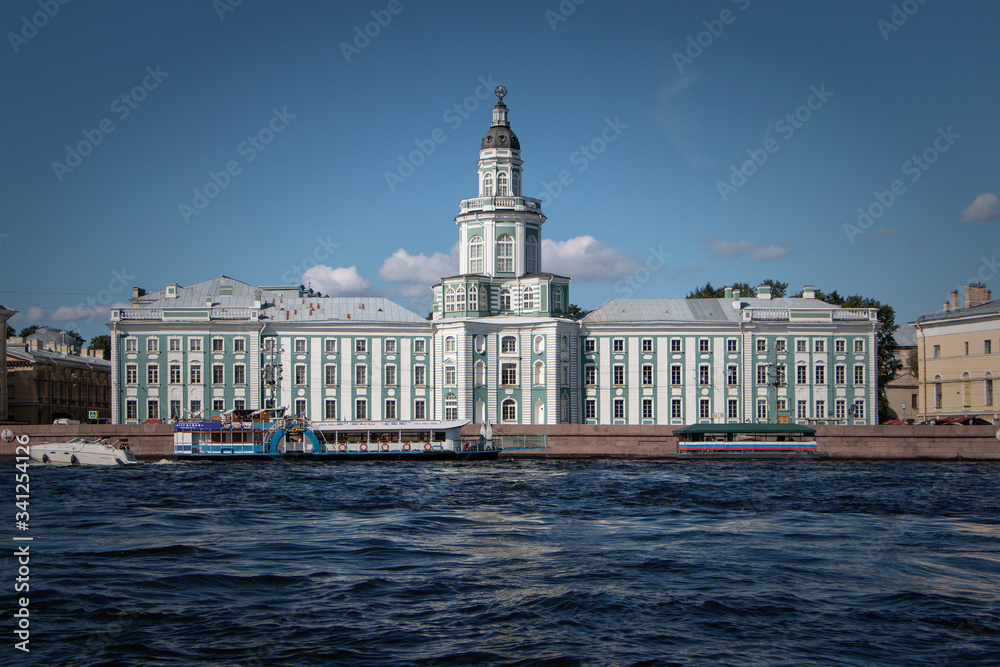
724,141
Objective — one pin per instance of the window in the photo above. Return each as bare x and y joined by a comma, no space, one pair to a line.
859,408
590,409
557,299
390,409
647,344
504,299
966,348
330,409
820,374
505,254
762,409
733,409
218,374
647,374
449,376
420,409
488,185
480,374
840,346
508,410
390,375
704,408
819,345
131,409
590,375
153,374
330,345
528,300
618,345
132,345
531,255
300,407
619,408
476,254
239,404
300,373
460,298
675,408
780,345
449,344
675,374
589,345
502,184
360,375
508,345
131,374
859,374
508,374
360,345
449,300
195,374
675,344
361,408
473,298
731,374
152,345
859,345
420,345
618,374
801,345
419,375
515,181
801,374
703,376
988,390
218,345
195,408
450,407
390,345
300,344
539,374
175,373
821,409
564,369
174,344
330,374
732,345
239,374
239,345
761,373
937,351
987,347
762,345
938,394
703,345
840,409
780,372
153,409
218,405
803,410
840,375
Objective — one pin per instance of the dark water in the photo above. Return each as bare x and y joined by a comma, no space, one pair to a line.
512,563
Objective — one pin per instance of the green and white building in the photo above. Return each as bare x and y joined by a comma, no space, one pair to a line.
500,347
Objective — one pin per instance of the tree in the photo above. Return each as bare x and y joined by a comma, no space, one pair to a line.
778,290
576,312
914,363
102,343
75,337
27,331
10,331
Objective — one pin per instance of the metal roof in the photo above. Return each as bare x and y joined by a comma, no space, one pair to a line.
692,310
988,308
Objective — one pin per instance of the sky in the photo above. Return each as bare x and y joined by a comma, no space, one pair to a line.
849,145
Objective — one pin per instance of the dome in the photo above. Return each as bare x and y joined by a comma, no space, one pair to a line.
500,137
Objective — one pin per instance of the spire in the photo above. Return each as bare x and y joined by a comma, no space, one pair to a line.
500,135
500,110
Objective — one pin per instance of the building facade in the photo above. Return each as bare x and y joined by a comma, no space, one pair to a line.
500,347
959,358
4,389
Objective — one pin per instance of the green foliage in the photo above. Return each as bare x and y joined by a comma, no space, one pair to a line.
914,363
101,343
75,337
27,331
10,331
576,312
778,290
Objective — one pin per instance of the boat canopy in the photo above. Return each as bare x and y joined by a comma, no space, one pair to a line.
745,429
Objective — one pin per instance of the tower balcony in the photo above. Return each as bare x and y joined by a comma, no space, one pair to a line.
501,203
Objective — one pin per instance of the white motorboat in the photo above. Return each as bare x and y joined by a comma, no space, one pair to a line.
83,451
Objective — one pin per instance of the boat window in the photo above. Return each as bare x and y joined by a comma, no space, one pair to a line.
439,436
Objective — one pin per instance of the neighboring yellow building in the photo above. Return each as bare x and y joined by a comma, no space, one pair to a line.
959,357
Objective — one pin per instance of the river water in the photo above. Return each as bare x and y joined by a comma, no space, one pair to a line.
511,563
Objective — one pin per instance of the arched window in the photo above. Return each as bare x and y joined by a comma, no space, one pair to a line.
988,389
504,299
449,300
557,299
501,184
564,343
531,255
505,254
476,254
508,410
539,375
473,298
488,185
449,344
528,301
480,373
450,407
460,298
515,184
508,345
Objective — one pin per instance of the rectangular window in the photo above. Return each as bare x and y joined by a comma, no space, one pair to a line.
762,409
762,345
390,345
330,411
819,345
647,408
987,347
780,375
590,375
174,344
619,407
618,373
218,405
390,409
937,351
859,374
330,345
449,375
966,348
761,374
801,374
300,344
361,408
820,409
239,404
239,345
132,345
360,345
153,374
195,408
218,345
589,345
590,409
859,408
781,405
840,375
300,407
675,374
803,410
218,374
360,375
175,373
675,344
419,345
131,374
195,374
704,408
152,345
675,408
647,374
618,345
508,374
194,344
988,389
131,409
801,345
938,395
419,409
733,409
732,345
781,345
390,375
731,374
703,345
508,345
153,409
419,376
647,344
239,374
330,374
840,346
859,345
820,373
840,409
703,374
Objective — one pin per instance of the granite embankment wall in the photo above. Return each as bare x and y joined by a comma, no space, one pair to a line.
155,441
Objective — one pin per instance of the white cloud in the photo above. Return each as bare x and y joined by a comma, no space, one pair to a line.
884,232
340,281
419,271
33,316
81,312
586,258
983,209
762,253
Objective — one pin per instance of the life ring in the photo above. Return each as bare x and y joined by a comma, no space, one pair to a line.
45,458
427,446
406,446
998,435
465,446
342,447
364,447
385,446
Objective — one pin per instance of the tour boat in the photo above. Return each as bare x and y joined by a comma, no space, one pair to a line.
83,451
736,440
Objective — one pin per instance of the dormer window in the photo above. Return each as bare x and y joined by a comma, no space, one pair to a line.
488,185
502,184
